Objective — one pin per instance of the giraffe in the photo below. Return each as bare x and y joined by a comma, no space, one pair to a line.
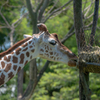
43,44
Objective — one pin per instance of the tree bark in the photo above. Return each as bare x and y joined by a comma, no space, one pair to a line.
80,38
95,19
20,85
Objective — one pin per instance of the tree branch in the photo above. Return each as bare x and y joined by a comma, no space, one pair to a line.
33,15
38,7
5,20
4,5
16,22
57,13
95,19
31,12
69,34
88,9
52,7
78,24
44,6
30,90
4,27
58,10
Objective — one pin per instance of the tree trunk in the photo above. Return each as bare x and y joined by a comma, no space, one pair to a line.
80,38
20,85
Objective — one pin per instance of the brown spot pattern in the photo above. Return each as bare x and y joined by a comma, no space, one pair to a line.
46,50
8,67
31,46
15,67
12,53
31,57
32,50
33,43
3,64
2,79
30,42
42,50
19,69
26,62
14,47
27,54
24,45
15,59
10,75
51,53
25,49
51,57
21,58
7,59
18,51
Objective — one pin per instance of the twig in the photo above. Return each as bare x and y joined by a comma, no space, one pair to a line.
58,10
5,20
69,34
89,16
88,6
52,7
16,22
88,24
4,27
57,13
88,9
4,5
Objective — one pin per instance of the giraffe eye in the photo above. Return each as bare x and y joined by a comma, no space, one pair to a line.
52,42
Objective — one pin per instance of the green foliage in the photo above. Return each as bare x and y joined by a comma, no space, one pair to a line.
59,83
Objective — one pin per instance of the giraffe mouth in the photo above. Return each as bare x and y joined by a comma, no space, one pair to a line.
73,62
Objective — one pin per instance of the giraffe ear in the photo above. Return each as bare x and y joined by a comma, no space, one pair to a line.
41,37
25,36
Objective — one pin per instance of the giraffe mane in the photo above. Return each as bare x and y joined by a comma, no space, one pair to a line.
13,47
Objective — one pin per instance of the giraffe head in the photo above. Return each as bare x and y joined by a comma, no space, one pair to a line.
49,47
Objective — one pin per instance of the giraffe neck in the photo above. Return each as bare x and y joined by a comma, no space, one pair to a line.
13,47
13,62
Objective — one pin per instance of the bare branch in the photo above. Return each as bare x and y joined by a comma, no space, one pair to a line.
4,5
57,13
95,19
89,16
19,19
4,27
88,6
88,25
5,20
58,9
69,34
88,9
52,7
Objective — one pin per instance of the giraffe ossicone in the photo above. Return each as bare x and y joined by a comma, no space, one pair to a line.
43,44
